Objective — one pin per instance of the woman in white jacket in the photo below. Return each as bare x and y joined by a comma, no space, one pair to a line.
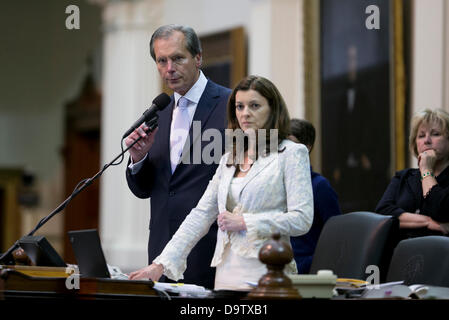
254,193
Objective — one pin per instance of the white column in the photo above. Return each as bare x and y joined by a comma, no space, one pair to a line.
446,56
259,38
276,48
427,55
429,61
130,83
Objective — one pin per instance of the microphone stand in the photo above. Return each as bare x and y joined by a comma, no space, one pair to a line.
7,258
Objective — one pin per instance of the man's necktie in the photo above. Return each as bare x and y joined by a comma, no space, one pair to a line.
180,132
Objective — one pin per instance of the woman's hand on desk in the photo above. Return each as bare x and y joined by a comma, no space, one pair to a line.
413,220
153,272
436,226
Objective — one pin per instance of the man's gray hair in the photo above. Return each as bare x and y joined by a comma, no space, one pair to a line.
193,44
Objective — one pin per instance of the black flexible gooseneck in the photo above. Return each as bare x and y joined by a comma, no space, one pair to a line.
7,258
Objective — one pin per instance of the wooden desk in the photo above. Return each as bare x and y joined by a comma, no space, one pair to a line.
30,282
31,295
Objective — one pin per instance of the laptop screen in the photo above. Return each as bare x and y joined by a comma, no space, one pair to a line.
89,255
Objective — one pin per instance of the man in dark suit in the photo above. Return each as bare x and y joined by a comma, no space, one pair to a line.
162,164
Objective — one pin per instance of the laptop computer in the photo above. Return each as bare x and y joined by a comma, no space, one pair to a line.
88,252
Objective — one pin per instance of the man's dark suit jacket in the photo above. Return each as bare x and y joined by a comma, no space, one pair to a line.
404,194
174,196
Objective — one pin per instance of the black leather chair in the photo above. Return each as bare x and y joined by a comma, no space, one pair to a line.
422,260
350,242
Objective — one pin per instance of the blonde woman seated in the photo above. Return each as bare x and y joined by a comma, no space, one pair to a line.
420,197
266,192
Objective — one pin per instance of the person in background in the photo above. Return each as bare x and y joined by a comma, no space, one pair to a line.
325,201
156,171
251,199
419,197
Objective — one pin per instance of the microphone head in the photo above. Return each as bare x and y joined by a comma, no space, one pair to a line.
161,101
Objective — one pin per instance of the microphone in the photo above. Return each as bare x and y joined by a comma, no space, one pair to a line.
159,103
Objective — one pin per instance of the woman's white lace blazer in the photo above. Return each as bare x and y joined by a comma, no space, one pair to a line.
276,197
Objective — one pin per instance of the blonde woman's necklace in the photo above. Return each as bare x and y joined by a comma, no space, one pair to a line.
244,170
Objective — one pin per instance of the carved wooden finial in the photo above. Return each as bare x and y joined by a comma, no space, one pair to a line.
21,258
275,253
